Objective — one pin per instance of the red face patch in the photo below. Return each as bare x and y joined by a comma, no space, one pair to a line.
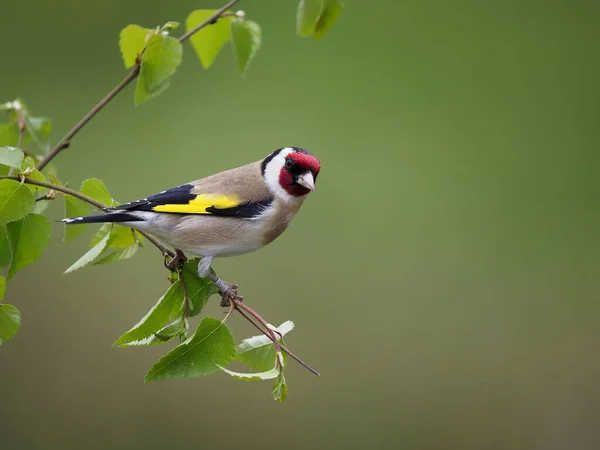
302,163
306,161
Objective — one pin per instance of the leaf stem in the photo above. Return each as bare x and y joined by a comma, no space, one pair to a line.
283,347
65,142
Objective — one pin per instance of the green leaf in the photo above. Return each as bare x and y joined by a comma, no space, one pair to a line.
9,134
124,253
90,256
11,156
5,250
2,287
328,17
246,39
281,389
258,352
211,346
307,15
175,328
209,41
160,61
16,200
34,174
169,308
93,187
39,129
142,93
28,237
10,321
170,26
74,208
132,41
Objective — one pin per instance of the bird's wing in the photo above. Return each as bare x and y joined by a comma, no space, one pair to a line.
238,192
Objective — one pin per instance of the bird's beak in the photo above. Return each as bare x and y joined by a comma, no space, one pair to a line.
307,180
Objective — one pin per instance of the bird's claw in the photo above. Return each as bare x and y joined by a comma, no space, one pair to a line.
176,261
230,295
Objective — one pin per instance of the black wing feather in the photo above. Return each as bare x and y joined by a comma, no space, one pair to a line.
181,195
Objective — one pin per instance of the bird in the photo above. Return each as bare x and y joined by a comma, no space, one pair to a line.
230,213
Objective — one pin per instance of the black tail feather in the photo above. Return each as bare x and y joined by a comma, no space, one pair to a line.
115,217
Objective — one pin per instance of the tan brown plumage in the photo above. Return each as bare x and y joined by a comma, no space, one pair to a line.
229,213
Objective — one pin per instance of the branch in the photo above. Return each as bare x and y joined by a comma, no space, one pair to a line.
246,316
65,190
210,21
66,140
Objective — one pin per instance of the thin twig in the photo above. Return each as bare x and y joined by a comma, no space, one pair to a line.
51,195
66,140
211,20
263,322
283,347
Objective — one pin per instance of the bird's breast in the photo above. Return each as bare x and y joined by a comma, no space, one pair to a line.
277,219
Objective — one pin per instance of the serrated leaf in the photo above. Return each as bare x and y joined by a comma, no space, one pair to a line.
120,236
258,352
170,307
74,208
307,15
11,156
160,61
28,237
90,256
209,41
281,389
211,346
5,250
132,41
328,17
124,253
2,288
93,187
10,321
16,201
246,38
142,93
268,375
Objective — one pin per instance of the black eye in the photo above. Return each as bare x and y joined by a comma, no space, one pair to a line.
289,163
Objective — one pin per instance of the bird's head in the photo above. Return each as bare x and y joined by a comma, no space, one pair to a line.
291,172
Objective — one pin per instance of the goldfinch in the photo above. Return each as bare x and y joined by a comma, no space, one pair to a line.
229,213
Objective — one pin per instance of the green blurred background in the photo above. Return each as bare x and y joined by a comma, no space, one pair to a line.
443,277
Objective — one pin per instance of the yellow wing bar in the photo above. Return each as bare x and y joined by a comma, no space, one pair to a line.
200,203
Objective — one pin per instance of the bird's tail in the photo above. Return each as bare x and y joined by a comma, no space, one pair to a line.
114,217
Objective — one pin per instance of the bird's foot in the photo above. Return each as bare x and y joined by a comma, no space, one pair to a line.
229,295
176,261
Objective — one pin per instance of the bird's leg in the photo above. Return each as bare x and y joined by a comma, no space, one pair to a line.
176,261
228,291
